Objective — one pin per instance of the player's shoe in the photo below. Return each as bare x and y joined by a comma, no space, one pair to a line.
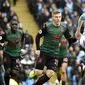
32,74
58,83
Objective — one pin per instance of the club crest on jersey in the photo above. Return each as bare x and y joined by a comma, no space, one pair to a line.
18,35
62,29
40,31
51,30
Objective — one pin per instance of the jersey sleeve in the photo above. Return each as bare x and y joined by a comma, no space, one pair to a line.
42,32
83,17
69,37
4,39
22,37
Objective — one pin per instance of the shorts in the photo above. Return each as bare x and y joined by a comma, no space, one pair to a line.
48,60
10,61
62,60
51,61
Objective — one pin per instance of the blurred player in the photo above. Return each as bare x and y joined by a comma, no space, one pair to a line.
12,51
50,48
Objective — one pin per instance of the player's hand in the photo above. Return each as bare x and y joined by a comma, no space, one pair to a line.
78,35
22,51
37,52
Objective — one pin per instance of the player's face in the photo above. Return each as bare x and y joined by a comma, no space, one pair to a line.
14,27
57,18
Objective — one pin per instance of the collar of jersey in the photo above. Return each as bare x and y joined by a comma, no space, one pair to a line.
55,24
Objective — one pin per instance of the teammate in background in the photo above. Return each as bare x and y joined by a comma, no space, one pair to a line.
15,41
62,54
50,48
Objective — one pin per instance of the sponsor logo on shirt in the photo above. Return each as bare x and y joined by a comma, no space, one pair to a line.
56,36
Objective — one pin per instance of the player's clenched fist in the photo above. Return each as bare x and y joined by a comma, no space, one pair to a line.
78,35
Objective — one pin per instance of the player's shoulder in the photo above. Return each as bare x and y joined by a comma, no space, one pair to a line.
83,16
20,31
48,23
7,31
63,24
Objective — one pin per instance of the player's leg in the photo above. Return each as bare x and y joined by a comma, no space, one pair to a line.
17,72
63,70
51,64
7,66
2,71
58,71
38,72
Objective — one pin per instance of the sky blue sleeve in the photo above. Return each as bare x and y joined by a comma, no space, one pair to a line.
83,17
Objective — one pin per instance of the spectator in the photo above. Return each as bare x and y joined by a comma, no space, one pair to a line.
79,53
65,13
75,18
2,71
70,5
14,2
6,6
29,39
11,14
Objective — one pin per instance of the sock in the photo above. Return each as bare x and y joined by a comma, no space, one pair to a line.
44,78
63,82
7,78
59,76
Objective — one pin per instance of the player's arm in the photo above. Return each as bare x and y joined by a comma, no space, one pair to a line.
80,22
22,41
69,37
4,39
42,32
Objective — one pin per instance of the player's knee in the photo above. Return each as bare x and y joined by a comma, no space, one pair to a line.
63,68
63,71
50,73
38,72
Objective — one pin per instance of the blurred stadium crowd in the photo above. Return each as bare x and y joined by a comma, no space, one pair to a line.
41,11
28,56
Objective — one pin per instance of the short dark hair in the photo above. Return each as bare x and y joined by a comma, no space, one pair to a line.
14,22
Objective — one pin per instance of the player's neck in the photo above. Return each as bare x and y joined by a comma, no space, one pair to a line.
56,24
13,31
